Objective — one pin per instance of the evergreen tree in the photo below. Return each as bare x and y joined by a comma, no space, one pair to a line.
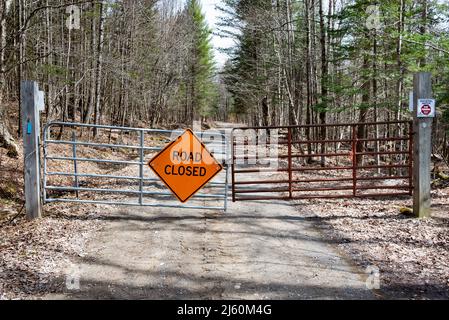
203,91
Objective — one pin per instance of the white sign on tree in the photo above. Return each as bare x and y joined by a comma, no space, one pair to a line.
426,108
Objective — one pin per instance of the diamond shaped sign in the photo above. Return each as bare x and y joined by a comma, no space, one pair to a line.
185,166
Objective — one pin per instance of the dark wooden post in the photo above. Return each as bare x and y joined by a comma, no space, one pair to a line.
30,130
422,88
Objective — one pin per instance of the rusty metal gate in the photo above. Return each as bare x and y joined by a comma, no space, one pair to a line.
295,162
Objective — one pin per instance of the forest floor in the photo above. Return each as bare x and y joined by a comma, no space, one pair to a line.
412,255
32,254
258,250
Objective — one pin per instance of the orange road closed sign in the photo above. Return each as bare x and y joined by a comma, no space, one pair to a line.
185,166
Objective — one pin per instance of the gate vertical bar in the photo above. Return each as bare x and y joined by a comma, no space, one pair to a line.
290,174
46,137
410,160
226,189
226,157
354,160
142,145
75,164
233,165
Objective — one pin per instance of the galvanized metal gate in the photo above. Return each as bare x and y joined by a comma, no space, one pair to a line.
120,175
292,162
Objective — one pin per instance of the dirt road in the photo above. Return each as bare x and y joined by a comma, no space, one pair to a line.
256,250
259,250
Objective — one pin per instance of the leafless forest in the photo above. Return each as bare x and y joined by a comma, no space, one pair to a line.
151,62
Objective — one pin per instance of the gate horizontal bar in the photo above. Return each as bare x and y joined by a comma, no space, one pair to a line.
152,193
346,196
337,188
261,182
322,168
324,125
84,125
323,180
383,139
283,142
384,187
261,190
81,175
100,145
383,178
134,204
95,160
382,153
316,181
293,156
387,166
316,141
293,181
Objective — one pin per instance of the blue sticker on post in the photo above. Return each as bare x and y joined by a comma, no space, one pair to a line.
29,127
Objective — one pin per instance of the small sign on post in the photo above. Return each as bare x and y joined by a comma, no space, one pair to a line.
40,101
426,108
185,166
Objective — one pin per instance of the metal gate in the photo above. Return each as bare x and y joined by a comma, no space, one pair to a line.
109,166
293,162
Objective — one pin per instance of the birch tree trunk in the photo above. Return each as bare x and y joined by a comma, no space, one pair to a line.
92,94
99,62
324,77
6,140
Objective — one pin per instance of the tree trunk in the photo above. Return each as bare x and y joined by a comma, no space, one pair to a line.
91,107
308,77
99,63
363,111
423,27
324,76
6,140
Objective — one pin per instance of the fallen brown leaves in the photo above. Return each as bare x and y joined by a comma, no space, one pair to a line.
35,255
412,254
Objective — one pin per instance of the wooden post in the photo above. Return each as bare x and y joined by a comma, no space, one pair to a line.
30,130
422,88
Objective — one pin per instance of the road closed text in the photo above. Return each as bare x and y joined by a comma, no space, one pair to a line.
188,169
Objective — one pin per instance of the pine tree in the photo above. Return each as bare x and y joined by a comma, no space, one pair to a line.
203,92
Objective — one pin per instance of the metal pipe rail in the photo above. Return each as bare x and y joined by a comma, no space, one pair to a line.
297,176
217,141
